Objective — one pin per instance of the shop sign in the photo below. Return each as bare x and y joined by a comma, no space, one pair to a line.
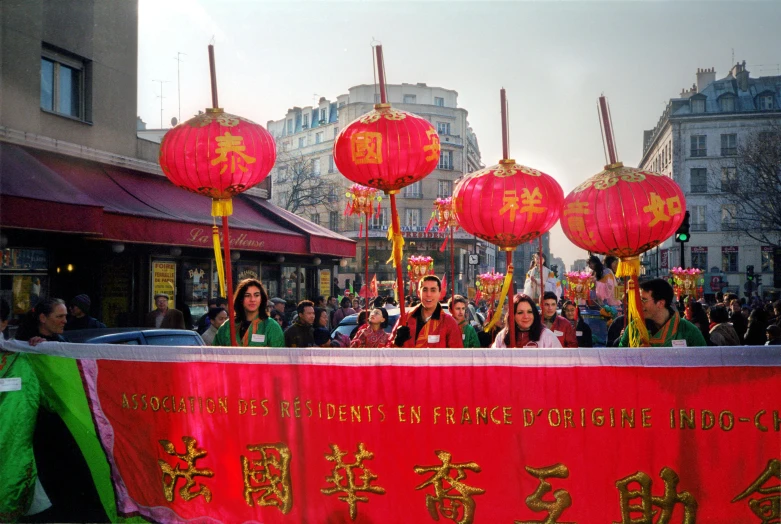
664,255
164,281
25,260
200,236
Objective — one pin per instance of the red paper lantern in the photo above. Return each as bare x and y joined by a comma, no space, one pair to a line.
507,204
218,155
623,211
387,149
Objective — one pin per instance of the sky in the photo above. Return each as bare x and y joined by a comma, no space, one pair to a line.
554,59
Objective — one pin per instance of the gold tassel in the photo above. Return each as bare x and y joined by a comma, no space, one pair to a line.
398,247
222,207
218,259
638,337
508,280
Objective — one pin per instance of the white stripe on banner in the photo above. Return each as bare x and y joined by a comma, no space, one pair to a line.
623,357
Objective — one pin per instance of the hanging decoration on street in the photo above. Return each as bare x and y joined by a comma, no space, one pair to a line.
219,155
360,201
578,286
417,268
445,220
507,205
388,149
687,282
623,211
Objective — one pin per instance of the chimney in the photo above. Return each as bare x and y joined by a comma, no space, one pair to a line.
740,73
705,77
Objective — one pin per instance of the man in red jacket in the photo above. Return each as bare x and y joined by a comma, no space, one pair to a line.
560,326
427,326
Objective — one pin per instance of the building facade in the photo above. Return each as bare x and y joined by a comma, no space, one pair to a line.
307,182
84,205
697,142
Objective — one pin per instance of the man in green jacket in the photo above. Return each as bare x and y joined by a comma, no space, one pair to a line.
666,328
457,306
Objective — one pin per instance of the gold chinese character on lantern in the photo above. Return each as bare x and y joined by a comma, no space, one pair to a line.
562,499
648,501
366,147
433,148
662,210
269,476
233,146
345,481
454,501
510,203
531,201
172,474
575,211
768,509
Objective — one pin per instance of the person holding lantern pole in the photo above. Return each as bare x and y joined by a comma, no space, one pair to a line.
253,326
532,285
427,326
665,327
457,306
529,329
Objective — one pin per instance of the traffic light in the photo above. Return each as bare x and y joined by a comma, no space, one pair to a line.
750,273
759,279
682,235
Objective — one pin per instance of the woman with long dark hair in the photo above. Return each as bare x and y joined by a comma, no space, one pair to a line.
529,331
45,322
253,326
604,282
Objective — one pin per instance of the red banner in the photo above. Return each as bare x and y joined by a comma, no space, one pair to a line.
451,435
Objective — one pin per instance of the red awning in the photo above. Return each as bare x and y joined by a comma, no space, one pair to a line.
143,208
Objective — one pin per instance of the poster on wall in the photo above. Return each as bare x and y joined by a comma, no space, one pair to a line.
164,280
325,282
26,290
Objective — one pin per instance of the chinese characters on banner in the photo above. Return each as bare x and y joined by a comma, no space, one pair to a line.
299,441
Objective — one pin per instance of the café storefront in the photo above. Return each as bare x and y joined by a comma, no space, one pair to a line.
70,226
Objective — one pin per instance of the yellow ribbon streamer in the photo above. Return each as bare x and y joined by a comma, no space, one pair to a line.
222,207
398,247
638,337
508,280
218,259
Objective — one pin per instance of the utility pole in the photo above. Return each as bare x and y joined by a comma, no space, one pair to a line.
161,99
179,83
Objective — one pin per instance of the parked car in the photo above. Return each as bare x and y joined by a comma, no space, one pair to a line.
135,337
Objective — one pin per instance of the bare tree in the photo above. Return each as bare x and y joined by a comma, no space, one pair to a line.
301,185
750,187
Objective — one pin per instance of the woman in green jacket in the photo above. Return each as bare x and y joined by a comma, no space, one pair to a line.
253,326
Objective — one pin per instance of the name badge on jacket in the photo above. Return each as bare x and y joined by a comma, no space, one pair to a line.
257,337
558,333
433,339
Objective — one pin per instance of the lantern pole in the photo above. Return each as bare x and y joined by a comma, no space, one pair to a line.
511,302
225,229
366,260
452,265
505,131
381,73
607,130
539,267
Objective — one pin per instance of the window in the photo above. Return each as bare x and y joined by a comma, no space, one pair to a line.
439,101
729,179
316,167
767,259
315,217
64,88
697,218
444,188
331,168
698,145
700,259
332,194
699,180
445,160
412,217
333,221
443,128
379,220
410,99
290,127
729,145
306,122
318,137
286,145
728,217
414,190
698,105
336,132
377,98
765,102
301,141
729,259
282,174
323,116
727,103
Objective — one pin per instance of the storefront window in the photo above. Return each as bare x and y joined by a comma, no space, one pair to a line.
270,279
293,283
116,290
246,270
23,279
196,280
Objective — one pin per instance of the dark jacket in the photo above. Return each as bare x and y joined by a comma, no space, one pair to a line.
85,322
173,319
583,333
299,336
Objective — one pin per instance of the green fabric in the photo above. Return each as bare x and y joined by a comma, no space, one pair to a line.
686,331
18,412
470,339
268,327
61,382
